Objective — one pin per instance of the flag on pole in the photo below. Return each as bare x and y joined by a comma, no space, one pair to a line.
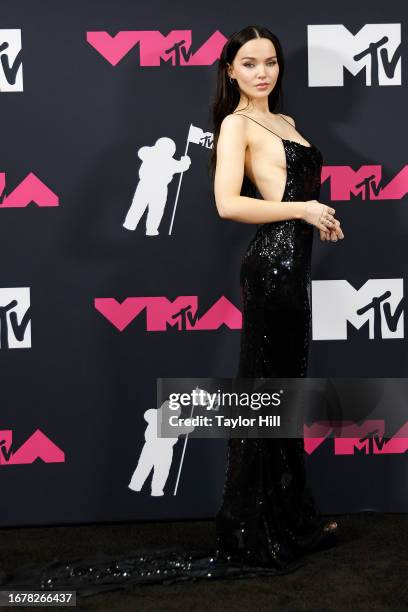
198,136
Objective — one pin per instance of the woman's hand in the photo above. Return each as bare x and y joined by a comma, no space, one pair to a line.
319,215
322,217
332,235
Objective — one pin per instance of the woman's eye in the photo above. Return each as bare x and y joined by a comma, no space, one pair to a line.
249,65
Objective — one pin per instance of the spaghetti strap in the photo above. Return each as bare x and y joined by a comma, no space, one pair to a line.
259,124
280,115
309,146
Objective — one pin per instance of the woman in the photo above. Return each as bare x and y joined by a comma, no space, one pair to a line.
268,516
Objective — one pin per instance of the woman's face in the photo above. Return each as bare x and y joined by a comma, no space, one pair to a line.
255,63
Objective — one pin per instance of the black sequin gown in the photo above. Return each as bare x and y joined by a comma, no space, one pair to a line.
267,520
268,516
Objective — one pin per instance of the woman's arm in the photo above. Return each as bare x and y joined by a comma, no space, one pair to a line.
229,175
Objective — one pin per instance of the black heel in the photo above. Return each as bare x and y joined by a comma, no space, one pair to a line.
331,527
330,536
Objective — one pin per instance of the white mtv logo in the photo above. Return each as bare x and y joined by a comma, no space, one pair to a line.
15,325
11,69
376,48
379,301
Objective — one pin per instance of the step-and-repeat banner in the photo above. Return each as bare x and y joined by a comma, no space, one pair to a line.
116,268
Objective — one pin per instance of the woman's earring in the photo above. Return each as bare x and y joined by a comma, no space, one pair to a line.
231,80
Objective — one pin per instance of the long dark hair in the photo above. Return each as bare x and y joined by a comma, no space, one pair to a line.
227,94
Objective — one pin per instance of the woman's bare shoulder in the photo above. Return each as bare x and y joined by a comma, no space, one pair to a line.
233,119
234,125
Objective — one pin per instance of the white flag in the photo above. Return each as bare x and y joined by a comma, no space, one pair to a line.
198,136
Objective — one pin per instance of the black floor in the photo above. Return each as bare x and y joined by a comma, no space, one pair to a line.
367,570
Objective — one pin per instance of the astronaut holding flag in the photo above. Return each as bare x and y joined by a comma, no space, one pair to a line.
155,174
157,452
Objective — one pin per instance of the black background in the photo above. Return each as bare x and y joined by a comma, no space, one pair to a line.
78,126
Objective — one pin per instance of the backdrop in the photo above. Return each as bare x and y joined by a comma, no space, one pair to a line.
118,270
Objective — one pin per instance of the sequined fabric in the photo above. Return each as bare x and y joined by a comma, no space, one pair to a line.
268,516
275,280
101,572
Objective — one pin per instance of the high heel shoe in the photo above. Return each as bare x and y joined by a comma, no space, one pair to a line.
331,527
329,537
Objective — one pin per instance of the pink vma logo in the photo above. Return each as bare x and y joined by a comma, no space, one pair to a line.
154,48
367,439
31,189
38,446
162,313
365,182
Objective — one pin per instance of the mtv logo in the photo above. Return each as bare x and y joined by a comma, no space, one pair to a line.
375,48
379,301
11,69
15,318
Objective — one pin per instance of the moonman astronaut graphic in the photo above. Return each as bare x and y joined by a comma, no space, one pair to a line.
157,452
155,173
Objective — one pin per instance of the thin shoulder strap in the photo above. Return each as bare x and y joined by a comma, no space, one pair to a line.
280,115
259,124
